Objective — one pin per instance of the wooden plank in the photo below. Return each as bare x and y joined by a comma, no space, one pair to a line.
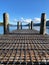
24,48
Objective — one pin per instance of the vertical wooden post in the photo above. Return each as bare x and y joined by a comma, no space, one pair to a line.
31,25
19,25
6,24
43,24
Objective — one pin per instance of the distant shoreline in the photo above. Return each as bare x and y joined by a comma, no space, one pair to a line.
35,24
1,24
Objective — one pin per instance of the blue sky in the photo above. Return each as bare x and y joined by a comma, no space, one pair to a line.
24,9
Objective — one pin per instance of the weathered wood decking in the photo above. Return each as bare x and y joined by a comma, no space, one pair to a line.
24,47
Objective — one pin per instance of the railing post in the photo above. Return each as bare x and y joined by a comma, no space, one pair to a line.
43,24
31,25
5,23
19,25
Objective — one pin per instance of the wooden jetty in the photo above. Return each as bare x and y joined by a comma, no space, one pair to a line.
24,47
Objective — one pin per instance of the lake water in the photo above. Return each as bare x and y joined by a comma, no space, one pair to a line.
14,28
38,28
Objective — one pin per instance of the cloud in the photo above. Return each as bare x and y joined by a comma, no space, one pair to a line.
47,19
37,20
22,18
15,20
28,20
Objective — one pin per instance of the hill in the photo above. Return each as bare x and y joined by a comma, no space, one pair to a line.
38,24
1,23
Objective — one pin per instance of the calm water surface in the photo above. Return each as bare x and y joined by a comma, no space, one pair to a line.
38,28
14,28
